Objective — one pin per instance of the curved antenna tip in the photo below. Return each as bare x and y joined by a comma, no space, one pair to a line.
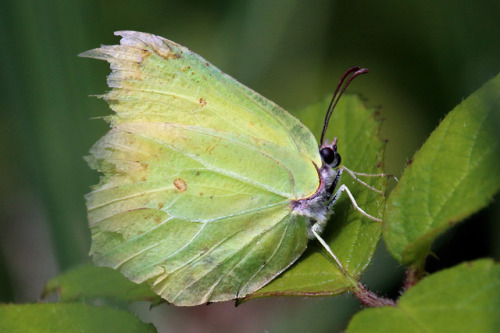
344,82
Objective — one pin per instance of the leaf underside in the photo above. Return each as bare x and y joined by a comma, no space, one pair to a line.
62,318
465,298
454,174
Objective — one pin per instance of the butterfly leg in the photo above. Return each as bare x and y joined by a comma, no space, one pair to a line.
354,175
372,174
344,188
327,248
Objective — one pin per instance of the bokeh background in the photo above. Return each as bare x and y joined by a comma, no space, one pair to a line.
424,58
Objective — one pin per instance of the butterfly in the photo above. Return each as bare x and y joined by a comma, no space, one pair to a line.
209,190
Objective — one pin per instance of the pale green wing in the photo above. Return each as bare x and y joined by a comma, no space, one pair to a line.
199,172
159,81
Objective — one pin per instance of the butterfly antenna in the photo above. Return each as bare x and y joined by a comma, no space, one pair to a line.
344,82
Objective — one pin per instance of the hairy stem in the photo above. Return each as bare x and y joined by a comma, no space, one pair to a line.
371,299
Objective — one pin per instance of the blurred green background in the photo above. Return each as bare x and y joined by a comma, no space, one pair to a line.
424,58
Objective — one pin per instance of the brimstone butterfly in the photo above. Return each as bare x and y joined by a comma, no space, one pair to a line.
210,190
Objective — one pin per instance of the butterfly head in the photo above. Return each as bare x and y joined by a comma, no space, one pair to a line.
329,154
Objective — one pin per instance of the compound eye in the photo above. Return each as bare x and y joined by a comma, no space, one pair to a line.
330,156
327,154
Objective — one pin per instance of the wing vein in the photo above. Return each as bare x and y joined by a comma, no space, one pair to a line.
258,235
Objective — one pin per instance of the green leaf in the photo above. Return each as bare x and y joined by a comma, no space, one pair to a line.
88,282
454,174
465,298
53,318
352,238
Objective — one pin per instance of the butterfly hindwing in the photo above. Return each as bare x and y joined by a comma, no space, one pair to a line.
199,172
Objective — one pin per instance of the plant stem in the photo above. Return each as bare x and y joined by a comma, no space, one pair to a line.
371,299
413,275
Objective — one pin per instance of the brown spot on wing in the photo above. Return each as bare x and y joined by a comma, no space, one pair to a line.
180,185
166,52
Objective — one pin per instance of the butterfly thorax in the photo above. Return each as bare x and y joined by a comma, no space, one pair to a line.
315,207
